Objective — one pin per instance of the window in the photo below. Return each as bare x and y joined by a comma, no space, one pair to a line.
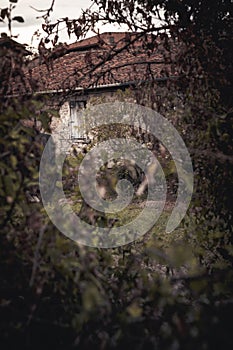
77,122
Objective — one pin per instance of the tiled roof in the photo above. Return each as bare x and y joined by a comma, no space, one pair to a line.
100,60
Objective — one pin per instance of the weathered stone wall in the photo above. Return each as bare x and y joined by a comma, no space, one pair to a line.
61,127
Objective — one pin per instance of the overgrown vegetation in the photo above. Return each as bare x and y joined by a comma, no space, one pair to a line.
164,291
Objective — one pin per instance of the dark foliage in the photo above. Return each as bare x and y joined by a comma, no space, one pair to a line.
54,293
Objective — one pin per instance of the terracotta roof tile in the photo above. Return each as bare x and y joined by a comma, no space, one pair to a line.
99,60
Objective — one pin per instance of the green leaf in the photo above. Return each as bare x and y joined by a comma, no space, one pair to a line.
13,161
8,186
134,310
91,298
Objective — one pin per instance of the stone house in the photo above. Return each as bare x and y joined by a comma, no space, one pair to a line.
70,76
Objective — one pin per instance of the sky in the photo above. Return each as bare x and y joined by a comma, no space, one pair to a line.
62,8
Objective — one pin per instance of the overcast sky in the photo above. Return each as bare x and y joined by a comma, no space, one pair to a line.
62,8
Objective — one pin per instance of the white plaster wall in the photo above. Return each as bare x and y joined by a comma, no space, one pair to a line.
60,127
